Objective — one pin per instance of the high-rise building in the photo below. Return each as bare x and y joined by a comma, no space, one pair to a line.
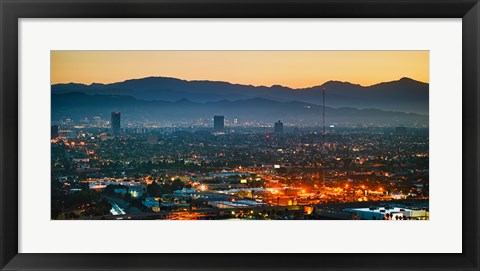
218,123
54,132
278,127
115,123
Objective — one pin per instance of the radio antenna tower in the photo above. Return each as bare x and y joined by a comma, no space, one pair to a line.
323,143
323,132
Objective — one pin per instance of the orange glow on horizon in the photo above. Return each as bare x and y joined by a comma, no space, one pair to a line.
295,69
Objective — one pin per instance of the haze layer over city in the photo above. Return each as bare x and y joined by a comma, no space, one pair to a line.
153,140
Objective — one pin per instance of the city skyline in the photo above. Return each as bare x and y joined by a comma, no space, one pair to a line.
294,69
166,147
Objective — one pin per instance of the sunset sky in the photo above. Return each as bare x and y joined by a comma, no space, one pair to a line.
296,69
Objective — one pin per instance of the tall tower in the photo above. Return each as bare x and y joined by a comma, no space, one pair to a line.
54,132
323,123
115,123
218,123
323,140
278,127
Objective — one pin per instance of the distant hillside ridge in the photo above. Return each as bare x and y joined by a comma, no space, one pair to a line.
77,105
404,95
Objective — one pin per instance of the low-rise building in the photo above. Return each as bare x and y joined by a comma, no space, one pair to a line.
151,204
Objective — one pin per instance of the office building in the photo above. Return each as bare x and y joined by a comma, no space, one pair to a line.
115,123
218,123
278,127
54,132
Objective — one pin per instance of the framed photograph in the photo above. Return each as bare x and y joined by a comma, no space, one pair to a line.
200,135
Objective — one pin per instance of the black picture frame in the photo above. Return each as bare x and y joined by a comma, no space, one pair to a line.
12,10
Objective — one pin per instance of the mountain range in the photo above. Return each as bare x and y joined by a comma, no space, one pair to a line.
78,105
403,95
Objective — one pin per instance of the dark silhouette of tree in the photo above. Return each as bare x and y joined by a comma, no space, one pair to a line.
177,185
154,190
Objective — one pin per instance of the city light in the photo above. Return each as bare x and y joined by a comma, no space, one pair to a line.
166,148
